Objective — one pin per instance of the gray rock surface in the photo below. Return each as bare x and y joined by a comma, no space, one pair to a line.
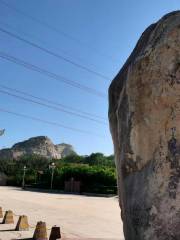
41,145
144,114
64,149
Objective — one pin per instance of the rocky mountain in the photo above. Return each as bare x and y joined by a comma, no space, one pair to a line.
41,145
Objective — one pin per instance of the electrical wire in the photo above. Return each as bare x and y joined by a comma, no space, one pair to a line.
51,102
51,107
53,53
49,122
52,75
58,31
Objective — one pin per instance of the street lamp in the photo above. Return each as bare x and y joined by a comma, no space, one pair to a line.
52,166
24,174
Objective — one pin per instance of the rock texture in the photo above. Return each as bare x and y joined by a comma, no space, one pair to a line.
144,116
42,146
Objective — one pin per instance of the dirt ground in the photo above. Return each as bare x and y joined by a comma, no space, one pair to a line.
80,217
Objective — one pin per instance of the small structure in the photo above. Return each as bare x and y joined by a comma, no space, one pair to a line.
40,231
22,224
1,212
72,186
3,179
8,217
55,233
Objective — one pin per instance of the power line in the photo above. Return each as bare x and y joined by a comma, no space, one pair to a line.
53,54
49,122
52,102
49,74
51,107
45,42
57,30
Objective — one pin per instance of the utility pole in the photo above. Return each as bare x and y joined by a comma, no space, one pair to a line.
24,174
52,166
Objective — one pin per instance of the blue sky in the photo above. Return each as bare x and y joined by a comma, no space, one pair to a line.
98,34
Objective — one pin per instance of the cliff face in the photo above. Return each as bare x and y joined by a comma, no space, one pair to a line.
144,114
64,149
42,146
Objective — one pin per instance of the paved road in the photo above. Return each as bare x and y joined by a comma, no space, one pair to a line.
79,217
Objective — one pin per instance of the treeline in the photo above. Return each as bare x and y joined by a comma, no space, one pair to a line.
95,159
96,172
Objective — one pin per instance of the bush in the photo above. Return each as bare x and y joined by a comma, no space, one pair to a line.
91,177
89,170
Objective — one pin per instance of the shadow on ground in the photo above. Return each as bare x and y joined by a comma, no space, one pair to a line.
48,191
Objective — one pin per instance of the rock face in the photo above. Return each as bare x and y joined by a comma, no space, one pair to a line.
42,146
144,116
64,149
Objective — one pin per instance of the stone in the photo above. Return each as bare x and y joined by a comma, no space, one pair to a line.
22,224
55,233
144,115
40,232
1,212
8,217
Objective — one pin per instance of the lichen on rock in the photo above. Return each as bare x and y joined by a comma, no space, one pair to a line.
144,115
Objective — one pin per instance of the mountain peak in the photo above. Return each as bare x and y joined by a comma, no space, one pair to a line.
40,145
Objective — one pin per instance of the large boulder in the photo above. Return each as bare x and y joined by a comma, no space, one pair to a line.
144,114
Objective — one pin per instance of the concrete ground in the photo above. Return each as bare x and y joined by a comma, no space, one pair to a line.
80,217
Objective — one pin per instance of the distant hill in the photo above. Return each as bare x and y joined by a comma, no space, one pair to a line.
41,145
